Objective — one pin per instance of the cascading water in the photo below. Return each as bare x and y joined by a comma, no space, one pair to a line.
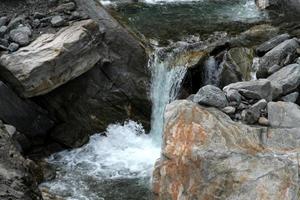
119,166
166,81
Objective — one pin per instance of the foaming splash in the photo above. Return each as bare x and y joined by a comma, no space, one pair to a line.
125,153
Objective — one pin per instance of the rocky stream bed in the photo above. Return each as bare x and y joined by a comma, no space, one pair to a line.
133,100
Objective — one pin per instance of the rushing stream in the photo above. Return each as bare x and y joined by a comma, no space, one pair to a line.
118,166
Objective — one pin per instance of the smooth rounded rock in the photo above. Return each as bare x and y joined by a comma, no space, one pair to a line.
211,96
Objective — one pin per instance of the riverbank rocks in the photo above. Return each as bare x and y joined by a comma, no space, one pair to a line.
283,54
211,96
32,71
286,79
255,89
270,44
205,155
17,175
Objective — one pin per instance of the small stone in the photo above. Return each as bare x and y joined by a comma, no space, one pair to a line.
243,106
75,15
291,97
13,47
53,2
3,21
3,48
3,30
19,36
229,110
38,15
248,116
66,7
10,129
4,42
233,95
263,121
298,60
210,95
191,97
57,21
25,29
14,23
36,23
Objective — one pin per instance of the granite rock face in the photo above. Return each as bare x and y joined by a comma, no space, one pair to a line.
207,156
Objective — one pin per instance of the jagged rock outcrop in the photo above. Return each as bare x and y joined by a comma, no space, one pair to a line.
207,156
18,176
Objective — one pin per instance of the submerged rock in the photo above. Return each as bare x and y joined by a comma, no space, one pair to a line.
208,156
211,96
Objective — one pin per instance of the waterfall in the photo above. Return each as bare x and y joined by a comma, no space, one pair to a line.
165,85
120,165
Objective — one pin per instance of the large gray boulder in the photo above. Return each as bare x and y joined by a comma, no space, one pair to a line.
284,114
18,175
255,89
270,44
26,116
283,54
286,79
211,96
114,90
53,59
205,155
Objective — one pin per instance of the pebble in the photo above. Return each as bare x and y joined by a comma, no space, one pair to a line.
20,37
13,47
3,21
229,110
263,121
3,30
57,21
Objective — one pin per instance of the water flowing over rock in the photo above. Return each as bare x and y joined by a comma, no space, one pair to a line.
51,60
206,156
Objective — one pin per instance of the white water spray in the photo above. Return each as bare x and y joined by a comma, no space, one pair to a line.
126,154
